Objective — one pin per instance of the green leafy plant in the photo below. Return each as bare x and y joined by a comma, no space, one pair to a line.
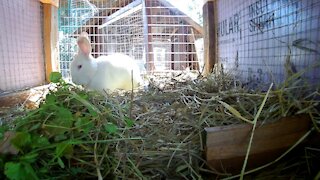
59,139
153,135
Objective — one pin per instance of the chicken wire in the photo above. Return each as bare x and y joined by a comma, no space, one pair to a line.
72,15
259,39
21,47
125,36
167,43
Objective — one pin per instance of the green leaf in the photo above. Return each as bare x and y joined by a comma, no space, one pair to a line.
65,114
29,158
129,122
92,112
1,135
60,137
55,77
19,171
83,95
51,99
13,170
92,109
76,170
3,129
43,170
64,149
39,141
62,122
30,173
60,162
234,112
21,139
84,124
111,128
35,126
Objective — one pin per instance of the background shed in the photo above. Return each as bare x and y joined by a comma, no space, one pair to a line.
154,32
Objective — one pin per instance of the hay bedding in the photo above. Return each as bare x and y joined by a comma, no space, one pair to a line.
154,134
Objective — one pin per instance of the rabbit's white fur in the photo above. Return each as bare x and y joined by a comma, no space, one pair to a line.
117,71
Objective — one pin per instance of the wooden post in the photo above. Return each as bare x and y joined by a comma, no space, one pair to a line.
209,36
50,39
52,2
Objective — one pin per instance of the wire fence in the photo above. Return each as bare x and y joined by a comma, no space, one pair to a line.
259,39
159,36
21,48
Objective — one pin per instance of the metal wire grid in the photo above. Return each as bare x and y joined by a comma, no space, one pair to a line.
21,48
123,35
257,38
171,46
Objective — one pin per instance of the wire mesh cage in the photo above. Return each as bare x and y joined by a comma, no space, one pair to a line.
124,35
258,40
21,52
159,36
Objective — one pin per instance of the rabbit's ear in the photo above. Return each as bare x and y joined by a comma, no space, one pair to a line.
84,44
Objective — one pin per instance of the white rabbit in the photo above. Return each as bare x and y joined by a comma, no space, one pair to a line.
117,71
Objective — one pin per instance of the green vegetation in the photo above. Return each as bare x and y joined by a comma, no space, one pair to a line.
154,134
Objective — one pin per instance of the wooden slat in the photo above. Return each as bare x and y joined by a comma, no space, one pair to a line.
27,98
209,36
50,39
227,145
13,100
52,2
240,149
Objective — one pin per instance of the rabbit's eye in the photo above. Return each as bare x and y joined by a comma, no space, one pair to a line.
79,66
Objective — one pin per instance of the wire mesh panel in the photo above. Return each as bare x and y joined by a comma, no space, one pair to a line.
171,38
123,33
155,33
260,39
21,48
75,16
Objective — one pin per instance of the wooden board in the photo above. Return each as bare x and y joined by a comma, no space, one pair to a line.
12,100
226,146
209,36
51,40
28,99
52,2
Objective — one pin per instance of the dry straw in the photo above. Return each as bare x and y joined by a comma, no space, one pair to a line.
158,133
